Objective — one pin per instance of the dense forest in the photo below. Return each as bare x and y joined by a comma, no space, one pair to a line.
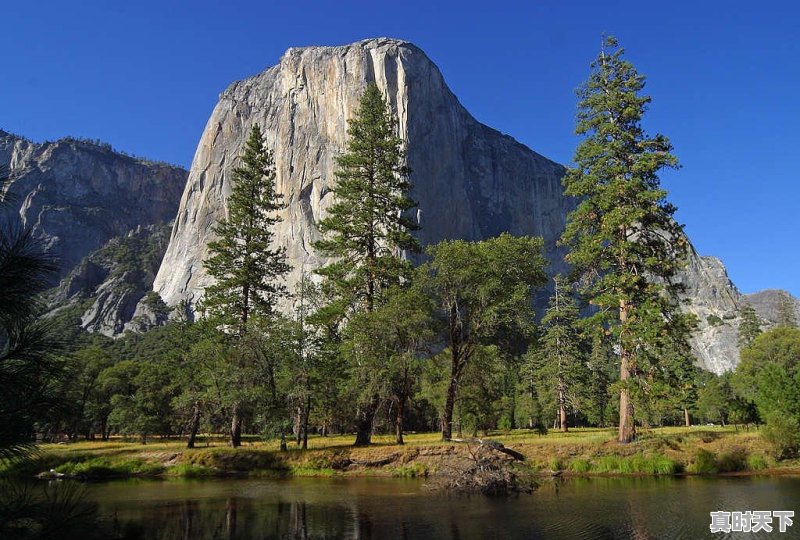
370,343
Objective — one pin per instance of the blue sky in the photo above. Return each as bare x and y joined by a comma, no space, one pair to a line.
724,76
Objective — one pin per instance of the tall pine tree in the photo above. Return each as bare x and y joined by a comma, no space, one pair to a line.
749,326
562,368
366,229
625,245
247,269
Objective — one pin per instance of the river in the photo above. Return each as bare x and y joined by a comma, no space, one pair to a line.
599,508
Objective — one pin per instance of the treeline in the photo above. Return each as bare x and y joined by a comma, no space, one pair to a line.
369,343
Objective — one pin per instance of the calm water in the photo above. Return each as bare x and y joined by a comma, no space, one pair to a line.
639,508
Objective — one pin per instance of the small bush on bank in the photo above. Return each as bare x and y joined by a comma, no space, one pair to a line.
756,462
580,466
704,462
734,460
782,432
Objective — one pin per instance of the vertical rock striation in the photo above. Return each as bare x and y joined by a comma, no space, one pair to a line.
471,181
77,195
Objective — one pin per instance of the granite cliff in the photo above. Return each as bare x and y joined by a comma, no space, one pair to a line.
76,196
470,180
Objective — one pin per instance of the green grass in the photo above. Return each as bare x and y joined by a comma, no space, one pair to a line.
104,467
704,462
705,450
579,466
417,470
636,464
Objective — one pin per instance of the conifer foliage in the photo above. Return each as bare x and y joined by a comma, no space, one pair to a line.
247,269
366,228
562,363
624,243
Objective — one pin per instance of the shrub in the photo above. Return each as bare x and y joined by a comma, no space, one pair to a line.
756,462
733,461
704,462
782,432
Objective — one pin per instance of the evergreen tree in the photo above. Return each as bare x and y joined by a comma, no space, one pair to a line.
787,311
366,228
247,269
562,367
600,378
625,245
749,327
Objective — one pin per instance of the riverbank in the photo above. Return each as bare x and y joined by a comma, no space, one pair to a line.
581,452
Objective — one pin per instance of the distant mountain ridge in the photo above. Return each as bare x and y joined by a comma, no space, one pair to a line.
76,195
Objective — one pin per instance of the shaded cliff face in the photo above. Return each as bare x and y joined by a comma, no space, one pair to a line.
77,195
111,290
471,181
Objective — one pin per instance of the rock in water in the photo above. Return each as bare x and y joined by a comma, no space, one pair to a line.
470,180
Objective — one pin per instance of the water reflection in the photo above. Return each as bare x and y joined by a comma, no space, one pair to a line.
362,508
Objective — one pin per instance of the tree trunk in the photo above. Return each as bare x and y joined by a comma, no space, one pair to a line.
398,421
450,400
364,420
627,430
298,425
283,442
562,409
447,416
306,413
686,418
194,425
236,427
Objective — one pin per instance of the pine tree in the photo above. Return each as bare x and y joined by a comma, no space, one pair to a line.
366,228
562,365
247,269
787,311
600,376
749,327
625,245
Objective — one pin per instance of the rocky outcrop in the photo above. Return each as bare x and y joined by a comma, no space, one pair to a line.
110,291
470,180
715,301
76,195
767,305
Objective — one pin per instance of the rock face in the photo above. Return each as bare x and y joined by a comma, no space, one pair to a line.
77,195
715,301
767,302
111,290
471,181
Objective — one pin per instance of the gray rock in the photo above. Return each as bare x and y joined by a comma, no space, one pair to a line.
471,181
112,287
767,302
77,195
